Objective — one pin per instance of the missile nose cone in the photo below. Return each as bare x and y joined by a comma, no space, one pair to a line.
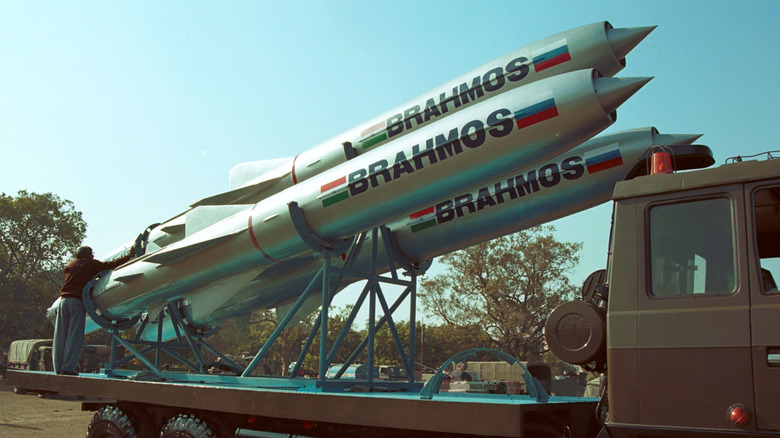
612,92
675,139
623,40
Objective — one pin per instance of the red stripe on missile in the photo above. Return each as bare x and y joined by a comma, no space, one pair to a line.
552,62
294,177
371,130
605,165
333,184
421,213
254,239
538,117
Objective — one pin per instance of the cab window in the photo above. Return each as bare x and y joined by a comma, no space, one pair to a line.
766,206
692,248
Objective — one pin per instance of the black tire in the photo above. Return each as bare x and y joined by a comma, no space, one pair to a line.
20,390
111,422
187,426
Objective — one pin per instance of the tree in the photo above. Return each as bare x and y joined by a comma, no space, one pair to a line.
441,342
37,231
507,286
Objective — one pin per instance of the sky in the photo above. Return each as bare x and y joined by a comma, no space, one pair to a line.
132,110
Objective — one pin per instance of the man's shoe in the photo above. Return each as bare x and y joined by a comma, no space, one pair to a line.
69,373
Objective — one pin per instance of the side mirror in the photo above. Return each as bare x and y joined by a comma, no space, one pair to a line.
590,284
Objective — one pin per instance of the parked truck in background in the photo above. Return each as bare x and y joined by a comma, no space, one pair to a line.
36,355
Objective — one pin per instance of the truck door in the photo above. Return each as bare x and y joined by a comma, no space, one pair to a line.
693,325
764,235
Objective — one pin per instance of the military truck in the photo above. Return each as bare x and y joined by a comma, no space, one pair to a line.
683,322
36,355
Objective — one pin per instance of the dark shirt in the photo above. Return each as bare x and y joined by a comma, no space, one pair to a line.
80,271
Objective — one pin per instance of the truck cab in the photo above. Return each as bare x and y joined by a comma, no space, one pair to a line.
690,307
693,322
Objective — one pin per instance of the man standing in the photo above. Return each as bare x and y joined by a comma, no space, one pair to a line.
71,317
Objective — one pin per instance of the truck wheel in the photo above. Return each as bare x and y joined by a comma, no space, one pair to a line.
187,426
111,422
20,390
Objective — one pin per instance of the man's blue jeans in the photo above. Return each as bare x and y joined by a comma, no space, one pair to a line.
68,334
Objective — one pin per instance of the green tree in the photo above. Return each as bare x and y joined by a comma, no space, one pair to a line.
37,233
441,342
507,286
260,327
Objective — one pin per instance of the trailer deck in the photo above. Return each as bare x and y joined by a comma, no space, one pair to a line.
301,401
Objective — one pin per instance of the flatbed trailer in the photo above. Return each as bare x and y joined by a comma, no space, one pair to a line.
245,406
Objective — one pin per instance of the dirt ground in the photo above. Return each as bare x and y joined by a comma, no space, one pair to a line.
30,416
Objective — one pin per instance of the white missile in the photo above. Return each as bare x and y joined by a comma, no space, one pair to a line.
595,45
574,181
505,132
577,180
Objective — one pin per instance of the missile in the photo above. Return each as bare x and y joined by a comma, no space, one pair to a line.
597,45
510,130
576,180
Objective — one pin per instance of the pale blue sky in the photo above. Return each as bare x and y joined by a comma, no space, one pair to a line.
134,109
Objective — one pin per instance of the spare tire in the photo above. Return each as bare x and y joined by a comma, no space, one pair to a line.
576,332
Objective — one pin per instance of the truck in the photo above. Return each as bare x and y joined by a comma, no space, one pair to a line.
683,321
681,324
36,354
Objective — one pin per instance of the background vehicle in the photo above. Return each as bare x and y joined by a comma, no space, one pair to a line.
36,355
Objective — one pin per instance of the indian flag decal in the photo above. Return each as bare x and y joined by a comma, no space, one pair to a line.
543,109
334,191
422,219
373,135
551,55
603,158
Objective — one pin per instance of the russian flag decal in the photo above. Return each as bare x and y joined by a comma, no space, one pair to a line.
551,55
542,110
603,158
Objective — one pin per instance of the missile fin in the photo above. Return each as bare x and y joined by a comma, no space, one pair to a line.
206,300
251,172
240,322
153,320
168,256
310,305
128,278
240,194
205,216
170,231
675,139
172,228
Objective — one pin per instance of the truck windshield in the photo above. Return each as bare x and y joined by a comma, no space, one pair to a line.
692,248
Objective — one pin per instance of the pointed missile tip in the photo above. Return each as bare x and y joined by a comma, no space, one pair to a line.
623,40
613,92
675,139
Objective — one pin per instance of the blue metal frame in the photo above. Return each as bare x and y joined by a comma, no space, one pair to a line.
331,277
328,279
535,389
